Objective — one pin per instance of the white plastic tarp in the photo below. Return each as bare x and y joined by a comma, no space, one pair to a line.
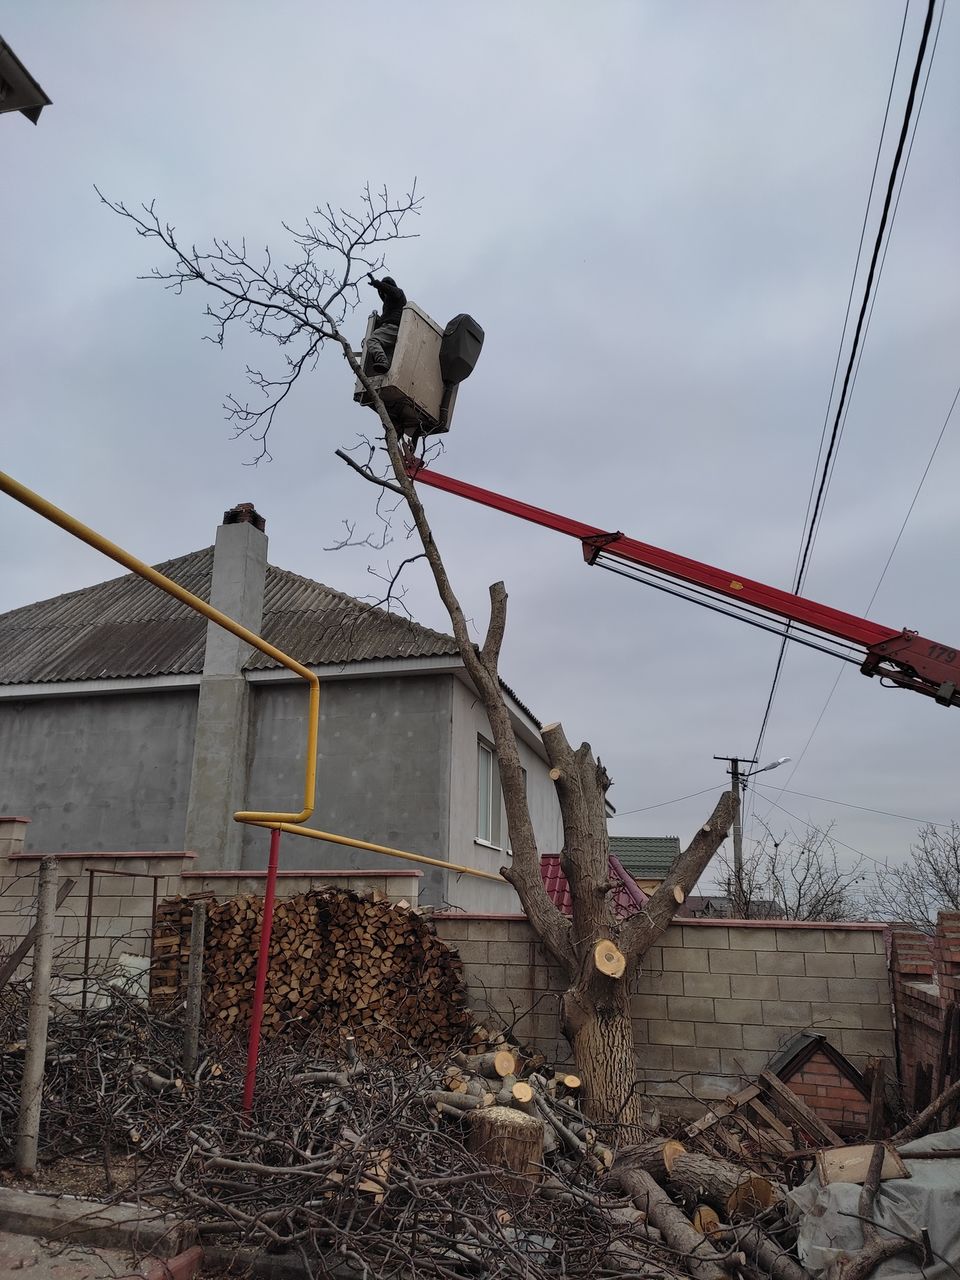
929,1198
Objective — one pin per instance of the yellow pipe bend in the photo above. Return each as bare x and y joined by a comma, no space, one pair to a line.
96,540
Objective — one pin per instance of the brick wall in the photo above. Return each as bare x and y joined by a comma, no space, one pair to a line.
829,1093
713,1003
925,971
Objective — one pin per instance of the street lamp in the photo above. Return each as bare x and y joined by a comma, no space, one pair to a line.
737,779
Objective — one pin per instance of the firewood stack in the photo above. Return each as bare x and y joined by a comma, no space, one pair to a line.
340,962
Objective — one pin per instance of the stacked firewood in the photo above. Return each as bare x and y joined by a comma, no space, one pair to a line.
339,962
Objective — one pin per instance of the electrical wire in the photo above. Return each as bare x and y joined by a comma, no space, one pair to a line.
853,278
885,813
676,800
813,520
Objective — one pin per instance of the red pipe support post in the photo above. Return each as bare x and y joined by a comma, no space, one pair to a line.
263,965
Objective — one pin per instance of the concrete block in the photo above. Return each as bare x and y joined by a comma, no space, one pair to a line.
686,960
867,1043
654,1057
800,940
829,964
767,1038
648,1006
857,940
741,1011
834,1015
746,1063
514,953
662,983
877,1017
760,939
780,1013
472,952
790,964
734,961
519,931
706,984
719,1035
486,930
861,990
874,966
696,1059
671,1032
804,989
672,937
751,986
713,937
515,977
690,1008
652,960
134,908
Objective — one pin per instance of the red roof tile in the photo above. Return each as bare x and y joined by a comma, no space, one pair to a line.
628,897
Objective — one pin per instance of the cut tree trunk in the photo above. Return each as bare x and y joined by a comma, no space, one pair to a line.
654,1157
732,1190
699,1256
509,1140
598,1025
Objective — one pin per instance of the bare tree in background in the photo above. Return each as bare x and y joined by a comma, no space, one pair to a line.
797,879
927,882
302,306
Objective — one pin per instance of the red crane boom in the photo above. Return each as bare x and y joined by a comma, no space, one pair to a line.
901,657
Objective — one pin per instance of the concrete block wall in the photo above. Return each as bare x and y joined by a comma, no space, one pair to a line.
125,887
714,1000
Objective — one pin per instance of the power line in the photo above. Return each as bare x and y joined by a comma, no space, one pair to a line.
878,244
814,516
853,278
664,803
846,804
883,573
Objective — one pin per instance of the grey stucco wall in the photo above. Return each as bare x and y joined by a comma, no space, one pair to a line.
383,771
99,773
468,893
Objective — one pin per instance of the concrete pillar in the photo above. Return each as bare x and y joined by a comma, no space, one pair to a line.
219,775
13,832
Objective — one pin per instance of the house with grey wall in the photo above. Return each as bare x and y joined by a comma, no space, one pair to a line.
130,724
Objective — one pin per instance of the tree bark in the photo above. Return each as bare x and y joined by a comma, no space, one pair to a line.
699,1256
733,1190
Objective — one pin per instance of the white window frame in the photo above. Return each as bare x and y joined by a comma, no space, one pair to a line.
489,808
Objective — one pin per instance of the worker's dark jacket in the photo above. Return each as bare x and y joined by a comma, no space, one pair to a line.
394,300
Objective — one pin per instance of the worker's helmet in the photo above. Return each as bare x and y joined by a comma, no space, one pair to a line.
389,280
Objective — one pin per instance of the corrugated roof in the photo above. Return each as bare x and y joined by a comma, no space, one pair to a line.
128,628
628,897
646,856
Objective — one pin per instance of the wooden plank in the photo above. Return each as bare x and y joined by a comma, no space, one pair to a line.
851,1164
771,1121
722,1110
798,1111
13,961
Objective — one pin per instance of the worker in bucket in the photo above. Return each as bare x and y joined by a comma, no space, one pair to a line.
383,340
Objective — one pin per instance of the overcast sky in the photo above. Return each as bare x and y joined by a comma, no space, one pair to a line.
654,210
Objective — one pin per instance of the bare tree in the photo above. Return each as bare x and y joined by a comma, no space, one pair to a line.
927,882
302,307
800,878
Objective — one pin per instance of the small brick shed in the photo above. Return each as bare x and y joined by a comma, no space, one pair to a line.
827,1082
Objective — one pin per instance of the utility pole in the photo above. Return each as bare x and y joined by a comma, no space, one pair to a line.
738,904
